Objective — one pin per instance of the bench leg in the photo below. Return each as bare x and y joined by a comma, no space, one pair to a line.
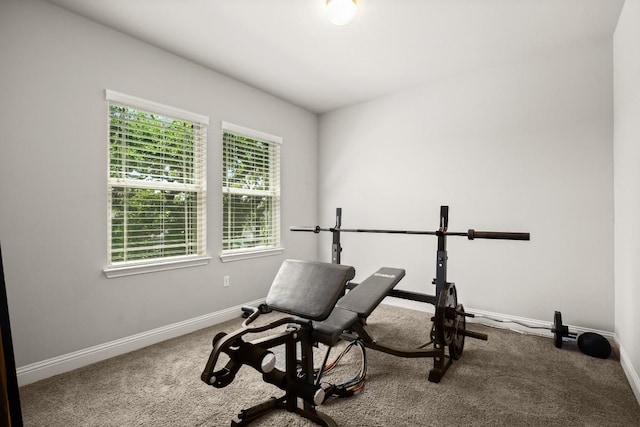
297,381
317,417
247,416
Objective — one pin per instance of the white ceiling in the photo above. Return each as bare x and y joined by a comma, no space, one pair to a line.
289,49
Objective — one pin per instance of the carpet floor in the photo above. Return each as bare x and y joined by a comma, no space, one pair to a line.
509,380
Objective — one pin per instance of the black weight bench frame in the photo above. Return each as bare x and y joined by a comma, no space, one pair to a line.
308,291
312,292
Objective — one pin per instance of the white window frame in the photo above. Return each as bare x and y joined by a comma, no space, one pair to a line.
227,255
127,268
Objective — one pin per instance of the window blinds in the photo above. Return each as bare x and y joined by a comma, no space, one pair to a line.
156,181
251,189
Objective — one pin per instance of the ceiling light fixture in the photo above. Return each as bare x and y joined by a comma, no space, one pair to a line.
341,12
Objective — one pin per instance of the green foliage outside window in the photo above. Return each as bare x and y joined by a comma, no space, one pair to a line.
151,171
250,189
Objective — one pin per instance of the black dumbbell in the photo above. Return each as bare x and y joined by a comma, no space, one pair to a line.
590,343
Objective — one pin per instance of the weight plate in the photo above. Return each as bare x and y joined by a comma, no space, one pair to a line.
445,317
457,344
557,329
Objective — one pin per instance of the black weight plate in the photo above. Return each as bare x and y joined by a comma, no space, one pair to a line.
445,314
457,344
557,329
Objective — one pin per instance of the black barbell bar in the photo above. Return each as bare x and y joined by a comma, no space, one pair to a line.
471,234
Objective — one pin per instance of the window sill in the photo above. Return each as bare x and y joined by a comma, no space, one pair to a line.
152,267
240,255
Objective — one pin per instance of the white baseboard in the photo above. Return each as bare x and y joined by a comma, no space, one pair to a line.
67,362
629,371
503,321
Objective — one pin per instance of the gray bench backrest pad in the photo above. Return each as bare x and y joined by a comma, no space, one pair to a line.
308,289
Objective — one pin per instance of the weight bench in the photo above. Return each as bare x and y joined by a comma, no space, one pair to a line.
313,293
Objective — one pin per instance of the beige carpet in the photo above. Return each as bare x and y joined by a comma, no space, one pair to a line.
510,380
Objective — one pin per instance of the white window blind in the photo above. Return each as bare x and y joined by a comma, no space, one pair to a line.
251,190
156,181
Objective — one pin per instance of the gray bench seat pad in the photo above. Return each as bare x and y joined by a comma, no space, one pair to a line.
365,297
356,304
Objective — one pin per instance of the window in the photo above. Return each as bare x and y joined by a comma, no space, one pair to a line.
156,182
250,192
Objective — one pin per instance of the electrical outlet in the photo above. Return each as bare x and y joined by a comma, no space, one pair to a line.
226,281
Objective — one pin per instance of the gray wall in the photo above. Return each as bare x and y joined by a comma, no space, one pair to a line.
523,146
627,187
53,166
